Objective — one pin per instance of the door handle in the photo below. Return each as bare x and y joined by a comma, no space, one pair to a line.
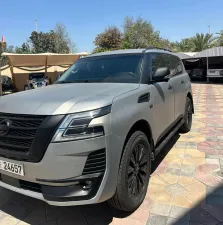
170,87
182,81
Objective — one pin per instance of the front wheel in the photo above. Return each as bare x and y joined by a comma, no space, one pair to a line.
134,174
186,127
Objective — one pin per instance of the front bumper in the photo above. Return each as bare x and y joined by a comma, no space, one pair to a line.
78,193
59,178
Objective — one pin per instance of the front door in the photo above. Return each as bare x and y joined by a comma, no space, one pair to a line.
162,94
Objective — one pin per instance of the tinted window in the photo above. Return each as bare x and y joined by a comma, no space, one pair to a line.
112,69
179,67
166,60
157,61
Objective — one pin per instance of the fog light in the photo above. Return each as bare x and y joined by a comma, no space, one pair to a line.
87,184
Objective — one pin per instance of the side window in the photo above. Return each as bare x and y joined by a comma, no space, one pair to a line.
166,60
157,61
178,66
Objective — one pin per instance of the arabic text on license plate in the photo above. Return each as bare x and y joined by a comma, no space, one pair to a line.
12,167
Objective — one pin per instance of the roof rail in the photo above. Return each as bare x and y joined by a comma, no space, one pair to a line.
152,47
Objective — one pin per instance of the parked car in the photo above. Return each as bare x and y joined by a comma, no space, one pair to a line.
199,73
92,136
7,83
36,80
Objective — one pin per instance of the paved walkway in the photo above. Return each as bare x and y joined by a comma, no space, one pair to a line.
186,187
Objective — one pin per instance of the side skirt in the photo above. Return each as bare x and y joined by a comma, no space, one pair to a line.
171,133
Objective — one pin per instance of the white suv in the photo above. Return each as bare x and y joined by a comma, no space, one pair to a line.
91,137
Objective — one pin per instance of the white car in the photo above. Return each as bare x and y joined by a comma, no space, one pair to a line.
36,80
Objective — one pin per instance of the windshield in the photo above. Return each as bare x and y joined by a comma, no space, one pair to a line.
105,69
36,79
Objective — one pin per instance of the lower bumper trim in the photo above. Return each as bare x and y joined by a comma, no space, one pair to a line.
83,189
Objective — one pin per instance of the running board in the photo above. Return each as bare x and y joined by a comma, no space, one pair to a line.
167,139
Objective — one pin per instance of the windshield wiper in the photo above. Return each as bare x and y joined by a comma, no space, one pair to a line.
78,81
65,82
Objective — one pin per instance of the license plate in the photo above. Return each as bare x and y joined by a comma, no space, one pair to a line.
12,167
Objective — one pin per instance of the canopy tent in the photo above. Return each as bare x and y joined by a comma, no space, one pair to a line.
37,60
211,52
47,59
182,55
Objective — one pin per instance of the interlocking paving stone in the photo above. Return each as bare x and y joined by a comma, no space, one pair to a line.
175,189
214,200
172,221
187,170
198,214
215,190
19,211
6,219
213,210
173,171
182,201
170,178
179,212
209,156
161,209
157,220
174,165
212,161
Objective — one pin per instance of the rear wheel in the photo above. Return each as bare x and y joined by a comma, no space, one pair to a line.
134,174
26,88
186,127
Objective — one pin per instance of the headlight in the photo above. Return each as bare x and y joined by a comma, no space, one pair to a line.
75,126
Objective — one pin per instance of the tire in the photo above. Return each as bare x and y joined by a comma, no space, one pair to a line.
127,198
26,88
186,127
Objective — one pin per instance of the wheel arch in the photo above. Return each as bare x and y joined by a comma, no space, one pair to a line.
140,125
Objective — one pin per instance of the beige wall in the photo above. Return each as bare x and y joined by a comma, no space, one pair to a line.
20,75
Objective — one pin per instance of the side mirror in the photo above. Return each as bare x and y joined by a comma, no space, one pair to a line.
161,74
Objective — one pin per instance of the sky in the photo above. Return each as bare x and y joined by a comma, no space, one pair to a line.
84,19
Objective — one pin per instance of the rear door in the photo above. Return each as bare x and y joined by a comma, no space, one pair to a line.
163,99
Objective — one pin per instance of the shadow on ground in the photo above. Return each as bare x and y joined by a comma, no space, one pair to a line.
23,210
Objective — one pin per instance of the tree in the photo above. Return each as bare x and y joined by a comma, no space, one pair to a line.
25,48
42,42
203,41
220,38
54,41
5,48
110,39
141,34
63,42
185,45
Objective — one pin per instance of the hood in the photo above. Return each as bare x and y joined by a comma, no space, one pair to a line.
63,98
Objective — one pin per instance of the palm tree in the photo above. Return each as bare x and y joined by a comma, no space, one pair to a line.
220,38
185,45
203,41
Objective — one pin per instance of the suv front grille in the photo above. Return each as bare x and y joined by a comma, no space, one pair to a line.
96,162
21,133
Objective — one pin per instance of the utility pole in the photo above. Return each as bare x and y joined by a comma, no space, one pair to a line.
36,23
209,29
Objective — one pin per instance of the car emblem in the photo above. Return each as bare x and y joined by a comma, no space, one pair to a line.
5,127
